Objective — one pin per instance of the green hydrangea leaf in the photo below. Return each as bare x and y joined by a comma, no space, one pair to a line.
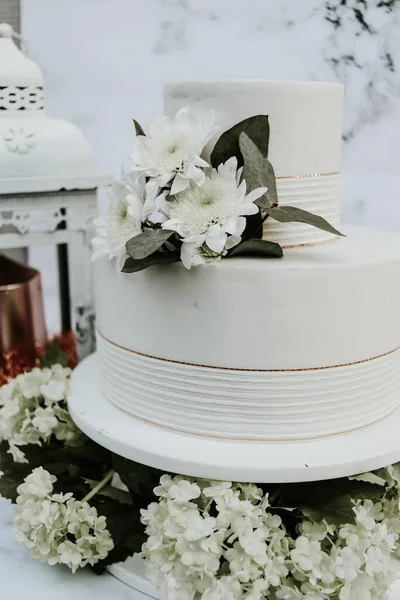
146,243
338,512
256,247
257,128
127,532
53,355
139,479
258,172
109,491
288,214
331,500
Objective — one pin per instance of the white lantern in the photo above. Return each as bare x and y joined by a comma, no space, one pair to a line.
48,184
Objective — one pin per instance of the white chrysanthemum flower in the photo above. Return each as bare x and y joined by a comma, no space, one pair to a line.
35,409
56,528
211,219
170,151
123,221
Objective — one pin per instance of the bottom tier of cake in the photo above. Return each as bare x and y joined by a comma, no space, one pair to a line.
257,349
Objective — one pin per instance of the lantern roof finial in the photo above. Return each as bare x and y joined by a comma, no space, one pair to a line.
16,69
6,31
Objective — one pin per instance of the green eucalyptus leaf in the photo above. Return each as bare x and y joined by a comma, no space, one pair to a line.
258,172
146,243
256,247
138,128
257,128
133,266
253,227
288,214
53,355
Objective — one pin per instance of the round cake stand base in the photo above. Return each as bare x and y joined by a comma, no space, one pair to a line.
132,572
355,452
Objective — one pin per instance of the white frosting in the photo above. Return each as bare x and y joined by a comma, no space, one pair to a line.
319,306
253,405
305,138
319,195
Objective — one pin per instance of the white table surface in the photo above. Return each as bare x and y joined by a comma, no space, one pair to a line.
21,577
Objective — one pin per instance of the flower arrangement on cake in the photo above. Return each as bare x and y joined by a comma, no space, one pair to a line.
174,205
201,539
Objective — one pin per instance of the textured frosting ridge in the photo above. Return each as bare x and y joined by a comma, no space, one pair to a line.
318,194
258,405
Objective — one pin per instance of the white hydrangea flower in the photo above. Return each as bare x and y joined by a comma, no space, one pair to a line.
347,564
35,409
39,484
56,528
211,219
306,554
226,542
198,526
44,420
170,151
123,221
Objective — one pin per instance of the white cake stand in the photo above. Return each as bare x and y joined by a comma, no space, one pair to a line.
356,452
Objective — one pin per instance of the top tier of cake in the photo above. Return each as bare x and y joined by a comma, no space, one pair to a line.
305,140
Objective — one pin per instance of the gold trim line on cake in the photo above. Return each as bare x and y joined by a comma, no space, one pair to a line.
308,175
179,362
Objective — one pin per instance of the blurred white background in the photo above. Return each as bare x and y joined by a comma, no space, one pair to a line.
105,62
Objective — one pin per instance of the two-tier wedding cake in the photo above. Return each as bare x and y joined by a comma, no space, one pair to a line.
245,337
255,348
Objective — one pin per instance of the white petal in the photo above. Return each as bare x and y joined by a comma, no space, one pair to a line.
216,244
233,240
198,240
240,226
173,225
231,226
248,209
228,169
197,175
200,162
179,184
187,251
257,193
135,207
152,189
239,175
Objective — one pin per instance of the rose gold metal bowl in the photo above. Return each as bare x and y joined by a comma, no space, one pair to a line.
22,324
